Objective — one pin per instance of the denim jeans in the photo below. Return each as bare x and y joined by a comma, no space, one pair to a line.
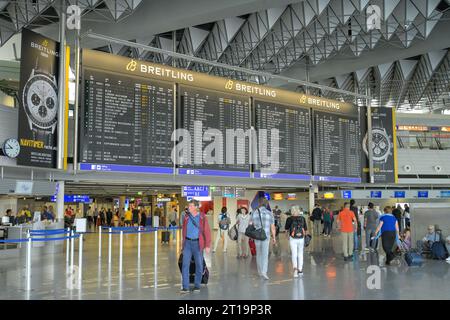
192,248
327,227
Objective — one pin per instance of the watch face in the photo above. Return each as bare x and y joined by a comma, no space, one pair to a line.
11,148
40,101
381,145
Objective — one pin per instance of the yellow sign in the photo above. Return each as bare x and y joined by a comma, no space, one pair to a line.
328,195
109,62
278,196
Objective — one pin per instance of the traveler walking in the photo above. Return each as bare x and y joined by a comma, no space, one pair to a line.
371,218
316,217
357,233
297,228
407,216
196,238
389,233
243,220
173,219
327,216
347,223
109,216
397,213
263,218
224,224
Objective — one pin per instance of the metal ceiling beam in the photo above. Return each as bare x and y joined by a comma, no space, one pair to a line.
216,64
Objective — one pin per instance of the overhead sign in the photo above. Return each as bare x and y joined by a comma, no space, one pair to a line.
229,192
71,198
347,194
195,191
445,194
24,187
240,192
38,100
278,196
422,194
164,199
328,195
375,194
292,196
399,194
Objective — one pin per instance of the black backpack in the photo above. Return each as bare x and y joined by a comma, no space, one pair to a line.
438,249
296,228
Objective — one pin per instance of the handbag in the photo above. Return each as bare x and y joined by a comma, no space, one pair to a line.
307,239
233,233
257,234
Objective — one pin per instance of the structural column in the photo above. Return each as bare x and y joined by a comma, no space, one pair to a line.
121,205
60,201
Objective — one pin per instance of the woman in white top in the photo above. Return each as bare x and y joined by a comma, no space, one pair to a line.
297,229
242,221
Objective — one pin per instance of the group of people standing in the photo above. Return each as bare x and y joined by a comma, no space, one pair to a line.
133,216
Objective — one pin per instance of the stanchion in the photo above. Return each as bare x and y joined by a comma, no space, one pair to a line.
156,258
109,246
80,260
139,242
99,242
67,246
72,250
121,251
29,261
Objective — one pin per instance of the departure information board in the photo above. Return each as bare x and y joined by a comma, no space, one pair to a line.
294,126
336,147
216,123
128,123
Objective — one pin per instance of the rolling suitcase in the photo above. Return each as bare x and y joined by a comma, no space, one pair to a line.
165,237
413,259
252,246
205,275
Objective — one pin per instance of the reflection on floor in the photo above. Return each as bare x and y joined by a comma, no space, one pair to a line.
326,275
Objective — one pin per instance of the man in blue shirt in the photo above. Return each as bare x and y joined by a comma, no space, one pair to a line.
196,238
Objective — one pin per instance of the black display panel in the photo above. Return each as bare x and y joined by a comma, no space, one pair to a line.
218,112
126,121
337,152
294,126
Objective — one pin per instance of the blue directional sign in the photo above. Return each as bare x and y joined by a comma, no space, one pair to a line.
347,194
375,194
399,194
72,198
195,191
422,194
445,194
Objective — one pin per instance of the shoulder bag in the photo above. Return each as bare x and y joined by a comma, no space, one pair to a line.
257,234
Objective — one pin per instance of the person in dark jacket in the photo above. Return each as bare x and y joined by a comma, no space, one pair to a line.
109,216
397,213
317,219
357,234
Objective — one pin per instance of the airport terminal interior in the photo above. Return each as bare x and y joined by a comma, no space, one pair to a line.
299,150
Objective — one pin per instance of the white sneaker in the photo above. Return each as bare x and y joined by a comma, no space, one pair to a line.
300,273
265,277
448,259
366,249
295,274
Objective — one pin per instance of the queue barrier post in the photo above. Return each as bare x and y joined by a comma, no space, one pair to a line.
67,246
121,251
139,242
80,260
72,249
29,245
99,242
109,246
156,257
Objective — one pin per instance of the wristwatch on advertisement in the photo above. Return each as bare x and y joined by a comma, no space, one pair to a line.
381,145
40,99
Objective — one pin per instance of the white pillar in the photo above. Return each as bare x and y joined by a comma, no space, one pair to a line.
60,201
311,199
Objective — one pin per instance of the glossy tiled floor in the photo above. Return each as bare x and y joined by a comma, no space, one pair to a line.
326,275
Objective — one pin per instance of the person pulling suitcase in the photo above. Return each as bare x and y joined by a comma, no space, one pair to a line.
196,238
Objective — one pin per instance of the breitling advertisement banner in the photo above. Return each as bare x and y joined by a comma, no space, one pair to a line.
38,100
384,148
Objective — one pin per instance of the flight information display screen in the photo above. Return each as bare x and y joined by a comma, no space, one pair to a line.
294,140
216,124
127,123
337,148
